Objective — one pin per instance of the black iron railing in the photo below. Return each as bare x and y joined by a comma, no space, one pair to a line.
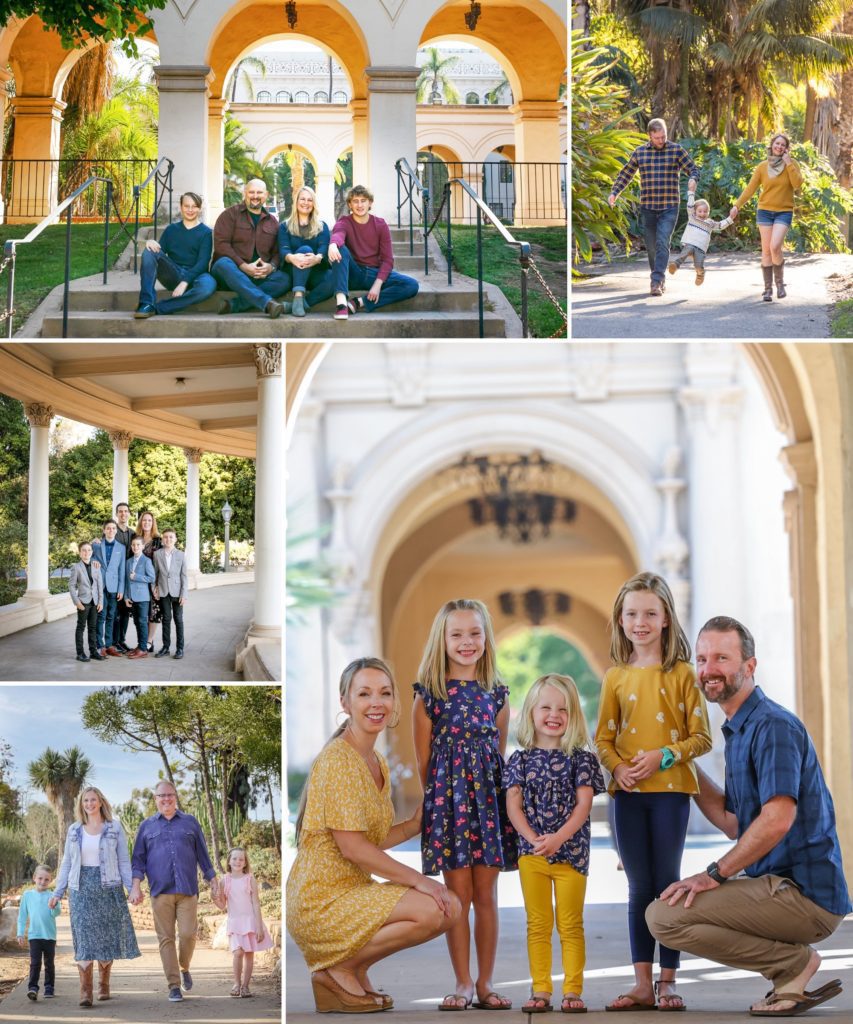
31,188
160,181
414,197
517,193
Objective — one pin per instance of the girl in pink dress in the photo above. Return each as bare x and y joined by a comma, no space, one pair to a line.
247,932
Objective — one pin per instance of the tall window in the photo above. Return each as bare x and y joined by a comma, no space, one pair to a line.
283,97
264,96
302,97
340,97
321,97
472,97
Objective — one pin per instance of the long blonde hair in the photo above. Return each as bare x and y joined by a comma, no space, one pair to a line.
347,677
106,810
576,735
432,673
674,644
315,223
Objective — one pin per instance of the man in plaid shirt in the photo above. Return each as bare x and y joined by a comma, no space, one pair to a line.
659,162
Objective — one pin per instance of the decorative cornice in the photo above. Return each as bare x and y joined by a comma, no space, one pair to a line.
120,439
193,454
39,415
268,359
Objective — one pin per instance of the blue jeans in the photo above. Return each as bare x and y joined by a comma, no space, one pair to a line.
140,620
318,279
107,618
650,829
349,274
157,266
658,226
250,293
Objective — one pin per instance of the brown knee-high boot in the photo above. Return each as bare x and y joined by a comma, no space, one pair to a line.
86,984
768,283
104,968
779,275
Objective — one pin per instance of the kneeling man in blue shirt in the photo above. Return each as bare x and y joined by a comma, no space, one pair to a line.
792,892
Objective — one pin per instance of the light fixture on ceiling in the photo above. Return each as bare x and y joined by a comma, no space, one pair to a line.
472,16
290,11
181,383
536,605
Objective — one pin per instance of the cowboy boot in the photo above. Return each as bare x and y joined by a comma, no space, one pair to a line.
779,275
86,984
768,283
104,968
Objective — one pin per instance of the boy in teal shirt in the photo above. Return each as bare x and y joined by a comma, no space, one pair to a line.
42,932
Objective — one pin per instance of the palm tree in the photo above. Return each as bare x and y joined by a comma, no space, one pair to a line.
494,95
60,776
433,83
241,74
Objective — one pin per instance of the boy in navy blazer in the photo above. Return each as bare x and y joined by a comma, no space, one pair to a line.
109,555
138,573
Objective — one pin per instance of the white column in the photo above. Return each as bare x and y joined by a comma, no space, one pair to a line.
38,537
193,543
215,159
391,131
325,188
121,472
183,125
269,497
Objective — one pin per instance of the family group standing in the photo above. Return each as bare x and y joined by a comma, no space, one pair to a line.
480,816
660,164
250,253
129,573
101,878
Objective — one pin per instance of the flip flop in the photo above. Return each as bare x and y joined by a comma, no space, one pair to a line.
484,1004
541,1005
670,995
634,1005
572,1009
453,1007
802,1003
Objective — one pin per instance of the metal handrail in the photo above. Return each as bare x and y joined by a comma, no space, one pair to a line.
11,245
166,180
412,183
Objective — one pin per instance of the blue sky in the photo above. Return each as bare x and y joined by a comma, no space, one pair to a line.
34,717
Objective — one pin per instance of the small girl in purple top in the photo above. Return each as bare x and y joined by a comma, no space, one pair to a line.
460,720
550,785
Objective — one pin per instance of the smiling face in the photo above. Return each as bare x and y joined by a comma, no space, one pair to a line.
658,139
169,539
369,702
237,862
85,552
360,207
190,209
166,799
41,880
701,211
779,146
255,194
110,531
147,523
550,717
91,805
123,515
721,669
305,203
643,619
136,545
464,642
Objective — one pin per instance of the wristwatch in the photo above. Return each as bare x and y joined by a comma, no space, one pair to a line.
668,759
714,871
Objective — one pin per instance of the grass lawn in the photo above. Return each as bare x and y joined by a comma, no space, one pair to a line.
842,319
500,266
40,266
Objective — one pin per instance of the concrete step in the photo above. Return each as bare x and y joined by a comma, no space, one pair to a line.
393,323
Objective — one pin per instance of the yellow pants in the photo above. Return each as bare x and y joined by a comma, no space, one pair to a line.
543,886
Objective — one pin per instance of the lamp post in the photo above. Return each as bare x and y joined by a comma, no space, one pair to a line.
227,512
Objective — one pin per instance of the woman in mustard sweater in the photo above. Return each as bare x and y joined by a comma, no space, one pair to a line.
778,177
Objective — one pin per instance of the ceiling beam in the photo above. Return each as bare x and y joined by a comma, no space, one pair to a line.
229,423
180,399
190,358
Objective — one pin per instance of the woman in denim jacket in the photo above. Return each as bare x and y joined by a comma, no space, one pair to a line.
96,871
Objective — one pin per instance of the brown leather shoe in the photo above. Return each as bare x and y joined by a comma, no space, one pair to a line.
114,652
86,984
138,654
104,968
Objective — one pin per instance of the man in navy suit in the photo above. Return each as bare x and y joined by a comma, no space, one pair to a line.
110,555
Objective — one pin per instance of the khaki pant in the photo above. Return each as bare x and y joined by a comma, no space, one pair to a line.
754,924
171,909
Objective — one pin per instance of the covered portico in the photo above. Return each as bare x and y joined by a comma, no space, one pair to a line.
199,397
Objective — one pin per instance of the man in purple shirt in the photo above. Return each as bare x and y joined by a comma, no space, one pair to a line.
362,256
169,849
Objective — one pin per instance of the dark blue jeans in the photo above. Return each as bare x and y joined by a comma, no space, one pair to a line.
140,620
157,266
107,619
42,949
650,830
349,274
250,293
318,279
658,226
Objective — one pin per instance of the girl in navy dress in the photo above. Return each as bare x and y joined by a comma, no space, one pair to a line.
460,723
550,785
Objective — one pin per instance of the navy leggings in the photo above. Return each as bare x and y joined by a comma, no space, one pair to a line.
650,830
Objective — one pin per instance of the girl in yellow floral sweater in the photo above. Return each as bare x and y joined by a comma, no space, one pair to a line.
652,722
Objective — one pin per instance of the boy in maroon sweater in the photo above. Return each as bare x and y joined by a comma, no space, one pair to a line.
361,256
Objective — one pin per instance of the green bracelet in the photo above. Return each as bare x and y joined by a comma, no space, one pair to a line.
668,759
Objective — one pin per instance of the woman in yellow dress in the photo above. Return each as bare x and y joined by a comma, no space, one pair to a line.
343,921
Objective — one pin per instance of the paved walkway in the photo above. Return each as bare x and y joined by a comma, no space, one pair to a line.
140,992
215,621
615,302
418,978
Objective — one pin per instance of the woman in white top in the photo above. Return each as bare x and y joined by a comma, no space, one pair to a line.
96,872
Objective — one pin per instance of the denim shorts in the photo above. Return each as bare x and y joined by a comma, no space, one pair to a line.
770,217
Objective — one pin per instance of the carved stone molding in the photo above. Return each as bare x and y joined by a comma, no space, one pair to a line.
38,414
120,439
193,454
268,359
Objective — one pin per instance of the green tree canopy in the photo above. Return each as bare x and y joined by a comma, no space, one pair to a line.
78,20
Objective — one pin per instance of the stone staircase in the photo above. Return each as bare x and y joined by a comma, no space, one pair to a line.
438,310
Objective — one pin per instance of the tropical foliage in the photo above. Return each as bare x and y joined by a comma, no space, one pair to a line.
61,776
76,21
434,83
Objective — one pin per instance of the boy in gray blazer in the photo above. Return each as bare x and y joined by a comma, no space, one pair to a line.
86,588
170,589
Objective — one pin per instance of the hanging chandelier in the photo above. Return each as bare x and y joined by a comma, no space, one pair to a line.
290,11
472,16
514,495
535,605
